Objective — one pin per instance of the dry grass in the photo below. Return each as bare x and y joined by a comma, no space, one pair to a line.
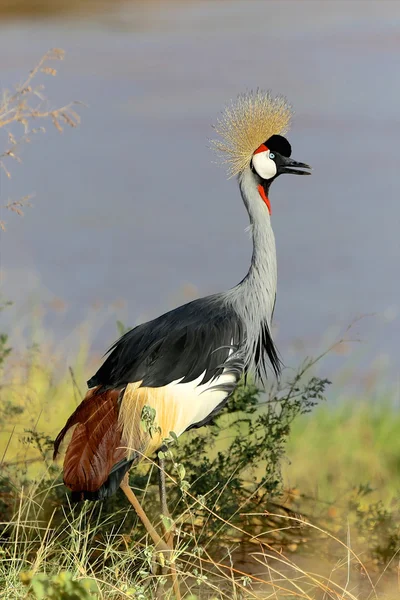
43,8
22,113
12,9
116,567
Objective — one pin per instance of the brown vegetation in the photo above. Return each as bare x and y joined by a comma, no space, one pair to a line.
22,114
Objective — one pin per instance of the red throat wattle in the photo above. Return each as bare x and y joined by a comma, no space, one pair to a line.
264,196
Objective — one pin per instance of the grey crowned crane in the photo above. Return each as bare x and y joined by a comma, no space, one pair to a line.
185,363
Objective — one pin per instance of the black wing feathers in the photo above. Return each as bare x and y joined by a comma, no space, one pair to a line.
182,344
266,348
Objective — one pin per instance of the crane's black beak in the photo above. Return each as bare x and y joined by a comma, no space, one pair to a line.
293,167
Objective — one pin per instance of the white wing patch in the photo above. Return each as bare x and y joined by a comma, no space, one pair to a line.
177,405
199,400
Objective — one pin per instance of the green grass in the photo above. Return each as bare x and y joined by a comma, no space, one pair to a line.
354,442
41,555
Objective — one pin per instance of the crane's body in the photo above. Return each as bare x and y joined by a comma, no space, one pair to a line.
185,363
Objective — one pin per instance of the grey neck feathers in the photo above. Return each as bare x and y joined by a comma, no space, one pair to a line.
253,298
259,285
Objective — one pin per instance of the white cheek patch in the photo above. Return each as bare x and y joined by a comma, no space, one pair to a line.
264,165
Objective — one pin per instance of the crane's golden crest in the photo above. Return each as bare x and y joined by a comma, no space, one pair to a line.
247,123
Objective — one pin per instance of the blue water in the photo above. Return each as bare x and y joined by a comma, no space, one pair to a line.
130,208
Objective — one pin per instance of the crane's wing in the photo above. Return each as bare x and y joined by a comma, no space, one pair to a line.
201,338
183,365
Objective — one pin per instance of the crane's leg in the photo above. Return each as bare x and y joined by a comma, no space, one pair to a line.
168,529
158,541
169,534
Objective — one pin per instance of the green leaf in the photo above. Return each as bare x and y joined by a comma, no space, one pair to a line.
174,436
167,522
181,472
185,485
40,585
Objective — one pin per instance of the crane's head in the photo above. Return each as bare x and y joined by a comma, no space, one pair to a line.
272,158
251,131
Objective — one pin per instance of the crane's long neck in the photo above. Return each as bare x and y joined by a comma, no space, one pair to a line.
258,288
253,299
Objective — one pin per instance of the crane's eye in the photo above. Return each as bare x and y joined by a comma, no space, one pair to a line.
271,155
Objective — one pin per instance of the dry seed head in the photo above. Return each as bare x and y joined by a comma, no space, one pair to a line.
246,124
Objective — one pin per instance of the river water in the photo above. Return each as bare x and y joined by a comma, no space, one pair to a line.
131,214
